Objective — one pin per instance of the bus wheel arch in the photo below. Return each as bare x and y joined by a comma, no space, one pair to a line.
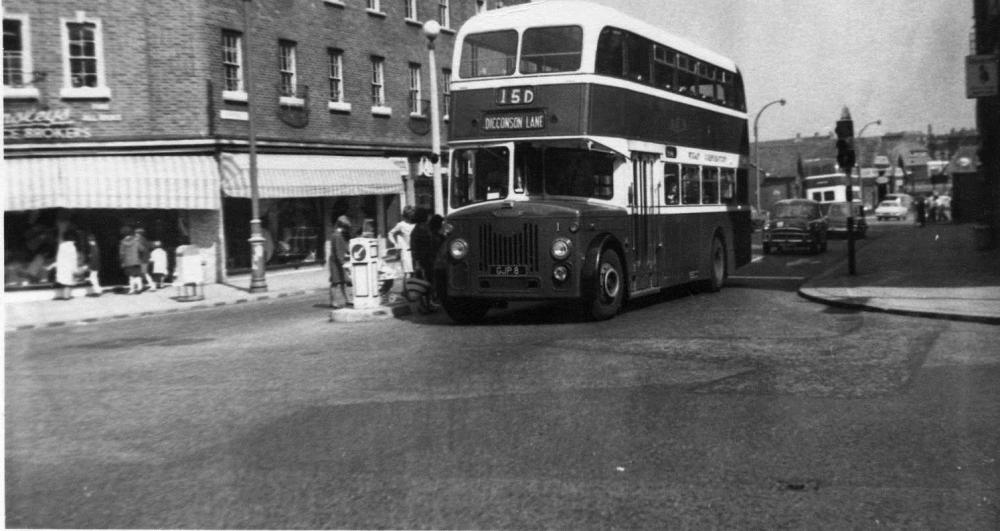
605,279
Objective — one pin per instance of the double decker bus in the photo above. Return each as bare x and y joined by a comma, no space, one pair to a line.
594,157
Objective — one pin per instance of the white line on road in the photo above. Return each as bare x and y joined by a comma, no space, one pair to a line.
764,278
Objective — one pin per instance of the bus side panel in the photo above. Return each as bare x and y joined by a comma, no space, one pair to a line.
742,234
620,112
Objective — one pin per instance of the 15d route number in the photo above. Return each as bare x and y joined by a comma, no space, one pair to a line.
515,95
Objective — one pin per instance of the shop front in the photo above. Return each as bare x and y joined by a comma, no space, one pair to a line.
299,197
175,198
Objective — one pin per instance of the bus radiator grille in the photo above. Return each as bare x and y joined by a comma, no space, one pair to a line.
515,248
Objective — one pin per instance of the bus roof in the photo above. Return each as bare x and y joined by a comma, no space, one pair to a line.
589,16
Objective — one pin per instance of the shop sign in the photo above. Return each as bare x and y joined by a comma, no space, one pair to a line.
38,124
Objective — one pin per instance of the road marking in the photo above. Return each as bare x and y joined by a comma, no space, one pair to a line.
733,277
801,261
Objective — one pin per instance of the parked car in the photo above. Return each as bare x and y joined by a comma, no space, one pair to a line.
892,209
757,218
836,219
795,224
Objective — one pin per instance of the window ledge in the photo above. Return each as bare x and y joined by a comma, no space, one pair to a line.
379,110
418,116
335,3
20,93
85,93
379,14
413,22
291,101
338,106
234,95
449,31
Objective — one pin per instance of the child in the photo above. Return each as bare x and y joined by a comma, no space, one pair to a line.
159,259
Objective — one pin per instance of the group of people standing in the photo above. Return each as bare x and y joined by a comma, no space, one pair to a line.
417,237
933,208
144,262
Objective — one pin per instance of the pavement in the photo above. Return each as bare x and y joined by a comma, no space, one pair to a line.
936,272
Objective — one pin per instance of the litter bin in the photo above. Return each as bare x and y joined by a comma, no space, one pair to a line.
188,273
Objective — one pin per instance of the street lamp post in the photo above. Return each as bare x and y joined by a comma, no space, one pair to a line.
756,147
431,30
257,281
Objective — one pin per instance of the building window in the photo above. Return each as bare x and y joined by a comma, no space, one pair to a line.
232,64
286,68
444,15
481,6
410,6
375,5
17,73
378,87
416,106
337,102
83,64
446,93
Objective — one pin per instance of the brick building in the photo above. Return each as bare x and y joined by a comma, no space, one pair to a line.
121,113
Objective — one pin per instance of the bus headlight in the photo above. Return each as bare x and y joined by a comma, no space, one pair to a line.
458,249
560,273
561,248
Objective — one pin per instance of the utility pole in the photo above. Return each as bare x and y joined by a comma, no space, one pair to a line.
845,159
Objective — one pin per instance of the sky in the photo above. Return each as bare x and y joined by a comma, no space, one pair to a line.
898,61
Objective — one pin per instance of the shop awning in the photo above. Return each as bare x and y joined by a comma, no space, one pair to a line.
311,176
163,182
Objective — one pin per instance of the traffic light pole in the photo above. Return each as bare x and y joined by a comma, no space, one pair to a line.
846,159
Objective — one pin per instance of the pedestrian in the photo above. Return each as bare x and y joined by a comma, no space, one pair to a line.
944,207
128,254
933,207
921,211
400,237
92,260
422,245
67,265
158,257
145,249
338,258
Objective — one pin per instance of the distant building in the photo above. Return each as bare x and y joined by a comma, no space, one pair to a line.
122,113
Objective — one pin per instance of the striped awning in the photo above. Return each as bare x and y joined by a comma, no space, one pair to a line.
161,182
312,175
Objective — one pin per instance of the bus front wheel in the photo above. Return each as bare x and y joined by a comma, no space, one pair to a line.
465,311
610,290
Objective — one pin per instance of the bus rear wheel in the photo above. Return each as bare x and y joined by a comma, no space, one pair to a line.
465,311
717,265
610,289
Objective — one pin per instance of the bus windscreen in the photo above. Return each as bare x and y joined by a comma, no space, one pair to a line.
488,54
553,49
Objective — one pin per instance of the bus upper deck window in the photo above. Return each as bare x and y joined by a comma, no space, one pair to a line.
553,49
487,54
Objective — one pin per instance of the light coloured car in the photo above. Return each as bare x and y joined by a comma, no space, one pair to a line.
836,218
891,209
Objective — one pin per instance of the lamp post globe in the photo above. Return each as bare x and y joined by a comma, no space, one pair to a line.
432,29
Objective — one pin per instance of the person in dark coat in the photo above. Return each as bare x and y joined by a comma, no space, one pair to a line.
339,260
921,211
128,253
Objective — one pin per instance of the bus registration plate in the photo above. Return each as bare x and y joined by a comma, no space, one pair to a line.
510,270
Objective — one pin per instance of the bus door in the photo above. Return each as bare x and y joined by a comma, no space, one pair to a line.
645,229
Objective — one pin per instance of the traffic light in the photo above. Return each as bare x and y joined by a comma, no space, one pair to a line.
845,141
